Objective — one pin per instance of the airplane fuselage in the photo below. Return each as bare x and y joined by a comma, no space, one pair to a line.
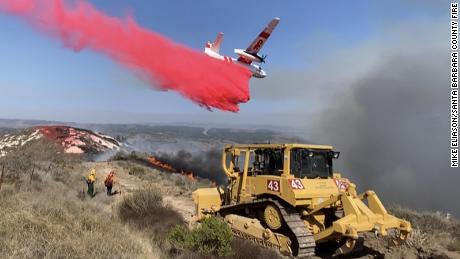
248,56
256,70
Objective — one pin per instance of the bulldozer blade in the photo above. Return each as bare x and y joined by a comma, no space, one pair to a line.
347,247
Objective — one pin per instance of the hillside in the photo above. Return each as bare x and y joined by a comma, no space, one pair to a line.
73,140
47,214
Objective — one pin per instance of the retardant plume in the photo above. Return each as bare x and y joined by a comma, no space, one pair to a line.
208,82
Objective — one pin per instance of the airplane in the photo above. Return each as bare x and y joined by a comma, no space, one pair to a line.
246,56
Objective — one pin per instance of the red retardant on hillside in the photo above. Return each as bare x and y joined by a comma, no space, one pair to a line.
78,141
209,82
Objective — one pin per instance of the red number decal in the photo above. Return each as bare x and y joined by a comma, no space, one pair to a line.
342,184
273,185
258,44
296,184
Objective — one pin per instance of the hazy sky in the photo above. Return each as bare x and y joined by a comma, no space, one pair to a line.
41,80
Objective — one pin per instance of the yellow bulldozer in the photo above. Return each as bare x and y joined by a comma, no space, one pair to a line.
287,196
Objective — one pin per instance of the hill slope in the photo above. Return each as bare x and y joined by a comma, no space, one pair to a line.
46,213
73,140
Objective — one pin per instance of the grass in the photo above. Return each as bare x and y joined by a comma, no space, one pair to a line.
430,230
41,224
41,215
22,163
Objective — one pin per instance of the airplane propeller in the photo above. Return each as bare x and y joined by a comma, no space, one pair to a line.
263,58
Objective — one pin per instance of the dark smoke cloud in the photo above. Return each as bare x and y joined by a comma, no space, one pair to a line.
204,164
384,103
393,131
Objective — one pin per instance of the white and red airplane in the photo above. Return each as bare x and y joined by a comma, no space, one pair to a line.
246,56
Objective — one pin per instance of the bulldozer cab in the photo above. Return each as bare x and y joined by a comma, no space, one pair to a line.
259,169
311,164
300,161
265,162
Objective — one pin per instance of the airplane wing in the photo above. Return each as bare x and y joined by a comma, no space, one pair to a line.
257,44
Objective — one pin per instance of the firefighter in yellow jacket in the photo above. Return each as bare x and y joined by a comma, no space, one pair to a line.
90,180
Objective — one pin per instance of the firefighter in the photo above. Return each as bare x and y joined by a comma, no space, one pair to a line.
90,180
108,182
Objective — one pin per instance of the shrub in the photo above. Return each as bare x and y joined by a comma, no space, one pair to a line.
212,237
134,155
180,182
120,155
145,210
142,203
177,236
136,170
124,156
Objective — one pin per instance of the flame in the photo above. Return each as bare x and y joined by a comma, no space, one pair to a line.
169,168
154,161
190,176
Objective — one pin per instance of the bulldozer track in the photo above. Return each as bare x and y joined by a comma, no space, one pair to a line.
303,243
255,240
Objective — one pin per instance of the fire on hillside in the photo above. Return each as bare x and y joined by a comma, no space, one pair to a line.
169,168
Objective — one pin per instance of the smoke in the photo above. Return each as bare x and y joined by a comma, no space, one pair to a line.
204,164
209,82
393,131
384,103
392,127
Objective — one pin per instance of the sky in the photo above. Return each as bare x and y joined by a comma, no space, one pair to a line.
42,80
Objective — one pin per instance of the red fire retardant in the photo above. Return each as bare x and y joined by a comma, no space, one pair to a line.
208,82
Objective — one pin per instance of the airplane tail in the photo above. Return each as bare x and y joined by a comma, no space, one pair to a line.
215,46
